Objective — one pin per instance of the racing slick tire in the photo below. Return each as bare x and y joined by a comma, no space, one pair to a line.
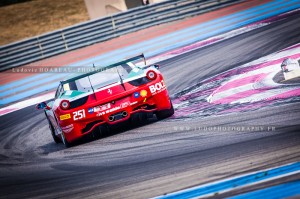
165,113
138,118
65,141
55,138
103,130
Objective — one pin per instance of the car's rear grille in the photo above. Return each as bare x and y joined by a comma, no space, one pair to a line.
90,125
78,102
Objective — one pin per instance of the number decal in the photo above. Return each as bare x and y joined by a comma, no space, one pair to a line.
79,114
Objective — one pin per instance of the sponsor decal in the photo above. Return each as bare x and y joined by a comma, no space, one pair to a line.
145,100
108,111
65,117
133,103
113,109
100,114
109,91
102,107
90,110
67,129
136,94
124,104
143,93
157,88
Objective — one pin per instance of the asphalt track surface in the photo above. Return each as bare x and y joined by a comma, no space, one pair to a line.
164,156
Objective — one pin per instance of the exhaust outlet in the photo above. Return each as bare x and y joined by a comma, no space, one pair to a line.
111,118
124,114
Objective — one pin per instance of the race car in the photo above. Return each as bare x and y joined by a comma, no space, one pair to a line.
91,102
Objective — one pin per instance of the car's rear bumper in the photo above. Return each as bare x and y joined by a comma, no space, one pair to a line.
152,104
118,118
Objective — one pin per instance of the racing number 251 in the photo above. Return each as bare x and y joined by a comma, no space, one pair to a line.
79,114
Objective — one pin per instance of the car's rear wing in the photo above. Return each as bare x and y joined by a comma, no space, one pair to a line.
96,70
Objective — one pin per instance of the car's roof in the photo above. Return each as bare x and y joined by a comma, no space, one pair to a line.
97,69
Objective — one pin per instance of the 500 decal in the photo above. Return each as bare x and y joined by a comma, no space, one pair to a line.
78,114
158,87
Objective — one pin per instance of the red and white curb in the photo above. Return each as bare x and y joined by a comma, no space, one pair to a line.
257,84
248,87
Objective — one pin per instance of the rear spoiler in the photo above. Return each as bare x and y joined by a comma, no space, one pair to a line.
135,58
105,68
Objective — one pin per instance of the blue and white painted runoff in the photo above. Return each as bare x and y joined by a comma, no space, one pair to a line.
285,190
238,182
26,87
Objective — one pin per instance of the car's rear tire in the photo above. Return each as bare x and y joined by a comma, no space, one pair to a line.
65,141
103,130
138,118
165,113
55,138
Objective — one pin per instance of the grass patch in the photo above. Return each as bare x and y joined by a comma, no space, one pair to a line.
23,20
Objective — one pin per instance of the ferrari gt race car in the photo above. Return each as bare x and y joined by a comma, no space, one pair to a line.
92,102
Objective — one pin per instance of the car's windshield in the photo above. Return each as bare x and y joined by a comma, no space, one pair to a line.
103,78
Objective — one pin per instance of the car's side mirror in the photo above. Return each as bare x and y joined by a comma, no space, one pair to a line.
156,66
42,106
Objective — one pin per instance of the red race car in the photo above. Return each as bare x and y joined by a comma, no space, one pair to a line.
92,102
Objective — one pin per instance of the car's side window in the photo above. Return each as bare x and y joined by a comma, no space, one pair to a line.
58,91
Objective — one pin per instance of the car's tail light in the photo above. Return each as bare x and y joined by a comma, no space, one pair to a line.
151,75
64,104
